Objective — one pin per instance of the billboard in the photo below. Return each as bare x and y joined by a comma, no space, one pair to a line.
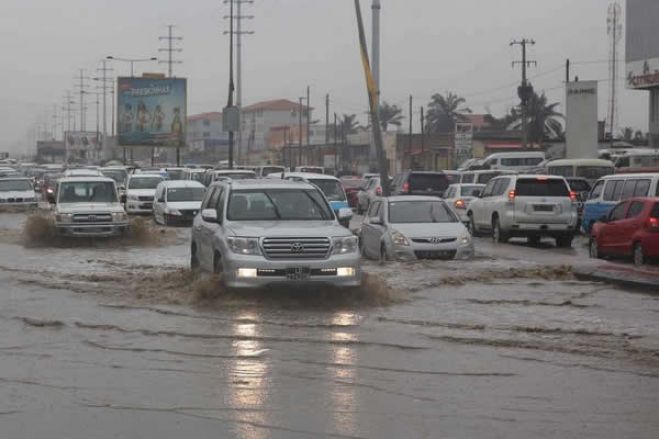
581,120
151,111
642,44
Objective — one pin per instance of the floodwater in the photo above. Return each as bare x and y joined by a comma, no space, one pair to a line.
124,342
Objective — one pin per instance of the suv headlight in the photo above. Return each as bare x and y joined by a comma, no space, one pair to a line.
244,246
119,217
399,239
465,239
133,197
64,217
345,244
173,212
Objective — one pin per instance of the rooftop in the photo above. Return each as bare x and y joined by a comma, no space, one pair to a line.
274,105
213,115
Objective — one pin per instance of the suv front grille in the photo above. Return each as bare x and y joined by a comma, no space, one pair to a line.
296,248
92,218
145,198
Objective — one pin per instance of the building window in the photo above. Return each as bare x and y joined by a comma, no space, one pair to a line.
207,134
207,123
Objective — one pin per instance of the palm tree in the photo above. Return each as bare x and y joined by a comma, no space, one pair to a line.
543,121
390,115
444,112
347,125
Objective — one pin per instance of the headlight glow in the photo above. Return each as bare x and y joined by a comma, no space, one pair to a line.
244,246
64,217
119,217
343,245
247,273
399,239
345,272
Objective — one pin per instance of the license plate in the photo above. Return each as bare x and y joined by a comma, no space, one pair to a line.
543,208
298,273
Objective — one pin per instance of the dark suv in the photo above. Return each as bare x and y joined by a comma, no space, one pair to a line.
420,183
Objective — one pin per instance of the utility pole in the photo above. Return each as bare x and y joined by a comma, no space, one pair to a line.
308,121
68,108
567,70
104,88
171,49
423,139
239,32
299,152
409,136
336,149
82,85
327,108
376,9
524,91
231,84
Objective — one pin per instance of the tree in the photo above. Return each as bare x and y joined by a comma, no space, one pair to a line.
390,115
444,112
543,121
347,125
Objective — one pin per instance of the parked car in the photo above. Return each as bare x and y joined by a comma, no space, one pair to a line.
431,183
88,207
530,206
17,192
260,232
352,186
330,187
611,189
459,196
413,227
630,229
140,192
177,202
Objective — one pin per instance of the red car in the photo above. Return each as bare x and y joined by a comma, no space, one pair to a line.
352,186
631,229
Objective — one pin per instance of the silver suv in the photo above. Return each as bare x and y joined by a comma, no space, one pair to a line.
529,206
259,232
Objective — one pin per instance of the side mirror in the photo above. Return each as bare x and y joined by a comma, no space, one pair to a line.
209,215
344,213
123,199
604,219
376,220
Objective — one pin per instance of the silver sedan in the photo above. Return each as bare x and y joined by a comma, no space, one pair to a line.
413,227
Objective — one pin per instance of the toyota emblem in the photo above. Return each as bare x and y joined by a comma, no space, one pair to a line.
297,247
91,218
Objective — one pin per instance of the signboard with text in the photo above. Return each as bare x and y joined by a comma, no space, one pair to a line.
151,111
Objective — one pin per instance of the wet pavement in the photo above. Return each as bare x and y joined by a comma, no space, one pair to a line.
124,342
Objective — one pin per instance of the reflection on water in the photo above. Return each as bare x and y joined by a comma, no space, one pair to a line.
344,372
248,390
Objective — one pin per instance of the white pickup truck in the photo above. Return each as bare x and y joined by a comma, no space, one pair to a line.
88,207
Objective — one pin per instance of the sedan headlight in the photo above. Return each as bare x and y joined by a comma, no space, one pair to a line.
64,217
119,217
344,244
244,246
399,239
465,239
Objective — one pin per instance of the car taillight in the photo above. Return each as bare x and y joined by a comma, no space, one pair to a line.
460,204
406,187
573,196
653,223
511,196
378,191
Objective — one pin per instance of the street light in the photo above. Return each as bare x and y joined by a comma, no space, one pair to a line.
132,61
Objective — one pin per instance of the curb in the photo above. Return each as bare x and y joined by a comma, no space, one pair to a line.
620,275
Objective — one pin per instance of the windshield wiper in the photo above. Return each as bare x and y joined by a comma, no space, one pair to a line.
273,205
320,208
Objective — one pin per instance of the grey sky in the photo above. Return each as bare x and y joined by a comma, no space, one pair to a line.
428,46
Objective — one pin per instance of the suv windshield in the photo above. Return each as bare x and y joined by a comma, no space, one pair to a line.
579,185
277,204
118,175
424,182
87,192
541,187
185,194
331,188
15,185
174,174
407,212
144,182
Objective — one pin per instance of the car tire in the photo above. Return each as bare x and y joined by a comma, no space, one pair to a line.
217,264
564,241
594,249
194,259
638,255
498,235
383,254
362,250
471,226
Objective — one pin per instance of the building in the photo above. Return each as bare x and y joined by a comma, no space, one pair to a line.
642,53
206,137
257,121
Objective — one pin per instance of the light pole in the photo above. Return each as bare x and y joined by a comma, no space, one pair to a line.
132,61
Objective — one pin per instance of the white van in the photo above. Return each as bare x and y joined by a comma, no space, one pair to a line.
514,161
482,176
590,169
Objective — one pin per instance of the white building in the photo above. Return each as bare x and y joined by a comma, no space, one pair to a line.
205,133
258,119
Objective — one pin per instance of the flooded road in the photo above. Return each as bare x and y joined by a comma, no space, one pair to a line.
125,342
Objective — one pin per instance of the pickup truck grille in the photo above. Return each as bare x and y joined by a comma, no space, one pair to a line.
92,218
296,248
145,198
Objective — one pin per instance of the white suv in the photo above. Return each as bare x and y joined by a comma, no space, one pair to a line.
529,206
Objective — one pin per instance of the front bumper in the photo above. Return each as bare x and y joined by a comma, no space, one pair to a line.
433,251
92,230
139,207
19,205
530,229
276,272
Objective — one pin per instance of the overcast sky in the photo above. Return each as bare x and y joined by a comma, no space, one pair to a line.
428,46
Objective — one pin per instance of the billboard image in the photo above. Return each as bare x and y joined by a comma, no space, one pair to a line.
642,44
151,111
